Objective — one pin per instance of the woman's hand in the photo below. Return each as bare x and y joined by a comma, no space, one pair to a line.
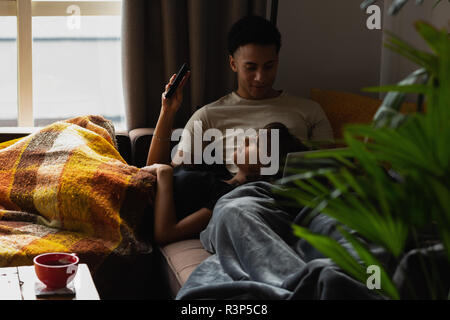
159,170
173,103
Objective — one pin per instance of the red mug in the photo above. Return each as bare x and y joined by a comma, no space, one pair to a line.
56,270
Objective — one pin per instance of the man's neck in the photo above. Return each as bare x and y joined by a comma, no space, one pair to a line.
273,94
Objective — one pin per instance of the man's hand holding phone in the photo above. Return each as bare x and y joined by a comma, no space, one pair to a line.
173,95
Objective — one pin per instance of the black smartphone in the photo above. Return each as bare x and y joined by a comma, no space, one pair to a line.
181,73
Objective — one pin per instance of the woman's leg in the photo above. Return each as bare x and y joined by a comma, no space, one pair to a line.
248,232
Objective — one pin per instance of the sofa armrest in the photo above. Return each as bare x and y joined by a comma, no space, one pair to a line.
124,145
11,133
141,139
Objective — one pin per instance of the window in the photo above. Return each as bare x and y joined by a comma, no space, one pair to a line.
74,50
8,70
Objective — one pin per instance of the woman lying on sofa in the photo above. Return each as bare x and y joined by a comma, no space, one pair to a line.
185,197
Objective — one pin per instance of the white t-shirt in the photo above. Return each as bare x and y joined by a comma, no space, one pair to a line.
304,118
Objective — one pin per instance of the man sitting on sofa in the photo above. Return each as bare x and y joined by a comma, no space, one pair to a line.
253,44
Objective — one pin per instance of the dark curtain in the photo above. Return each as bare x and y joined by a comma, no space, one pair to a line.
158,36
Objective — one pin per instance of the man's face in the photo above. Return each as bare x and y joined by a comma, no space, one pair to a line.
256,67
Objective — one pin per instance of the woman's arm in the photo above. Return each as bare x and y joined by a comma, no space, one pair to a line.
166,227
159,151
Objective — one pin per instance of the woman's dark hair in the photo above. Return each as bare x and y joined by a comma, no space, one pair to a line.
287,143
253,29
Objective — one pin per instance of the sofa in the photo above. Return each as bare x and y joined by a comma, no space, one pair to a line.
167,267
176,261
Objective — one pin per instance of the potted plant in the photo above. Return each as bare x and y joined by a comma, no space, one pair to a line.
392,185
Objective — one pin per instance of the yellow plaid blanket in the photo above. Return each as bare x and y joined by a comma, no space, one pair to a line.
66,188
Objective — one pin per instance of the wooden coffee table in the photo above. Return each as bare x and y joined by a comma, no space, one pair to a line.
17,283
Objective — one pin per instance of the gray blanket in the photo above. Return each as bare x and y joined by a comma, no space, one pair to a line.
256,256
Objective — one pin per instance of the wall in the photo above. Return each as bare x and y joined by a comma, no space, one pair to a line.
326,45
394,67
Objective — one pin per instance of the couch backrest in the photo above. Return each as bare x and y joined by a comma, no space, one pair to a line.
343,108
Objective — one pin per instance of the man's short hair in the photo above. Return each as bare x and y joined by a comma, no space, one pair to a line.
255,30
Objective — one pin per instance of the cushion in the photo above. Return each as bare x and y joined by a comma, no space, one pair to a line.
343,108
181,258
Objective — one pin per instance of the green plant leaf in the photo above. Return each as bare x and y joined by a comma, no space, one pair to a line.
388,113
340,155
350,179
429,34
364,5
365,159
442,194
308,188
331,248
422,58
396,6
434,6
360,195
302,198
366,256
396,148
